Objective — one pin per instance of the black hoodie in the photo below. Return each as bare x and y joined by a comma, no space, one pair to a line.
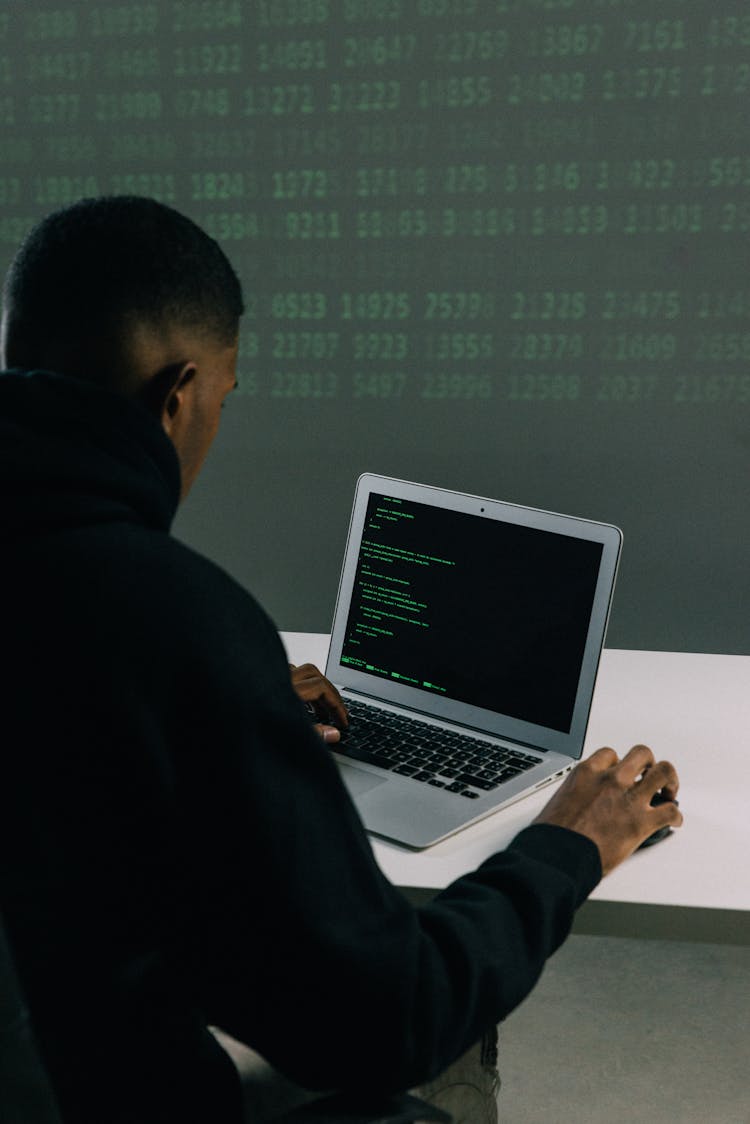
177,847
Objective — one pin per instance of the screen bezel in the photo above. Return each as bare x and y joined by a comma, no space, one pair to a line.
491,722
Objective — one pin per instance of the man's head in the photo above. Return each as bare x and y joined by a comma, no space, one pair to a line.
128,293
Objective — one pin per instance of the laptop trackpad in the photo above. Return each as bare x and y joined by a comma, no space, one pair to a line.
359,781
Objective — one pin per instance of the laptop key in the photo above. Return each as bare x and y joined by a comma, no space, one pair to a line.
359,753
430,754
476,782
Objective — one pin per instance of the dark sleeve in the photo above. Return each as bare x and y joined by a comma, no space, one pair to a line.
302,947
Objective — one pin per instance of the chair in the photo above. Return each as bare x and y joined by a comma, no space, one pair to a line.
402,1109
26,1095
398,1109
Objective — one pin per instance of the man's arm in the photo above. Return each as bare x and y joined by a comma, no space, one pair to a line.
303,949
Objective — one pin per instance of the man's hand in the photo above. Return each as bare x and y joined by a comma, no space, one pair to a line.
610,801
322,700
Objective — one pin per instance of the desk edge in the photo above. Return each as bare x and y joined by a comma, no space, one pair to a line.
640,921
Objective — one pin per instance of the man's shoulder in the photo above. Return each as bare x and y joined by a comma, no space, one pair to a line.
162,555
155,585
186,580
216,619
149,601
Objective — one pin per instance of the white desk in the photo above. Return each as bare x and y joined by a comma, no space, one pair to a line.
691,709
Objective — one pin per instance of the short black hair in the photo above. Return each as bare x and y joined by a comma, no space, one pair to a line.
91,270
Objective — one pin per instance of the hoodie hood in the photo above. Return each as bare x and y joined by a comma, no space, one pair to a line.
73,454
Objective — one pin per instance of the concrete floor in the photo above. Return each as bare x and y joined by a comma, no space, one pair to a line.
622,1031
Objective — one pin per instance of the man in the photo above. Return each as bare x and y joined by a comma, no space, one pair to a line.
178,849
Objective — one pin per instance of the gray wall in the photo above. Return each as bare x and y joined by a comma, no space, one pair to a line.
682,583
498,247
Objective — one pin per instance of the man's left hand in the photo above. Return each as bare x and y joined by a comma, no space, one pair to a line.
322,700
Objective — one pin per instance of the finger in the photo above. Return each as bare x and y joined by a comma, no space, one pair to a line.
636,761
329,734
603,759
328,703
336,705
304,673
313,687
676,815
661,777
664,815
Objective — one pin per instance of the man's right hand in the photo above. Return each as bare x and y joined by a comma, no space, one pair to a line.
609,800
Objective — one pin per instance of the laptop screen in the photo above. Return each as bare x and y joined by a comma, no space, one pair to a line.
489,613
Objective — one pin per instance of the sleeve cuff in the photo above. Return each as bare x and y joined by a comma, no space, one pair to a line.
573,854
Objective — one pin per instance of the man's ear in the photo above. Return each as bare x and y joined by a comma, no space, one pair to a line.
173,413
166,391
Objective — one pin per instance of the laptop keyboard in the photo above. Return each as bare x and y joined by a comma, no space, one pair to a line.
458,763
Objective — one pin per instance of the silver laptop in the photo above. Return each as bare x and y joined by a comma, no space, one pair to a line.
466,641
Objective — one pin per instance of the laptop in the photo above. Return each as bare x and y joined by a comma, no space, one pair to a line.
466,641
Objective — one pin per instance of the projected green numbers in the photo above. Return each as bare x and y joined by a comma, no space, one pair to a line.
486,202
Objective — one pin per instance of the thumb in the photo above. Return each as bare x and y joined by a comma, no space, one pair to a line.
328,733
